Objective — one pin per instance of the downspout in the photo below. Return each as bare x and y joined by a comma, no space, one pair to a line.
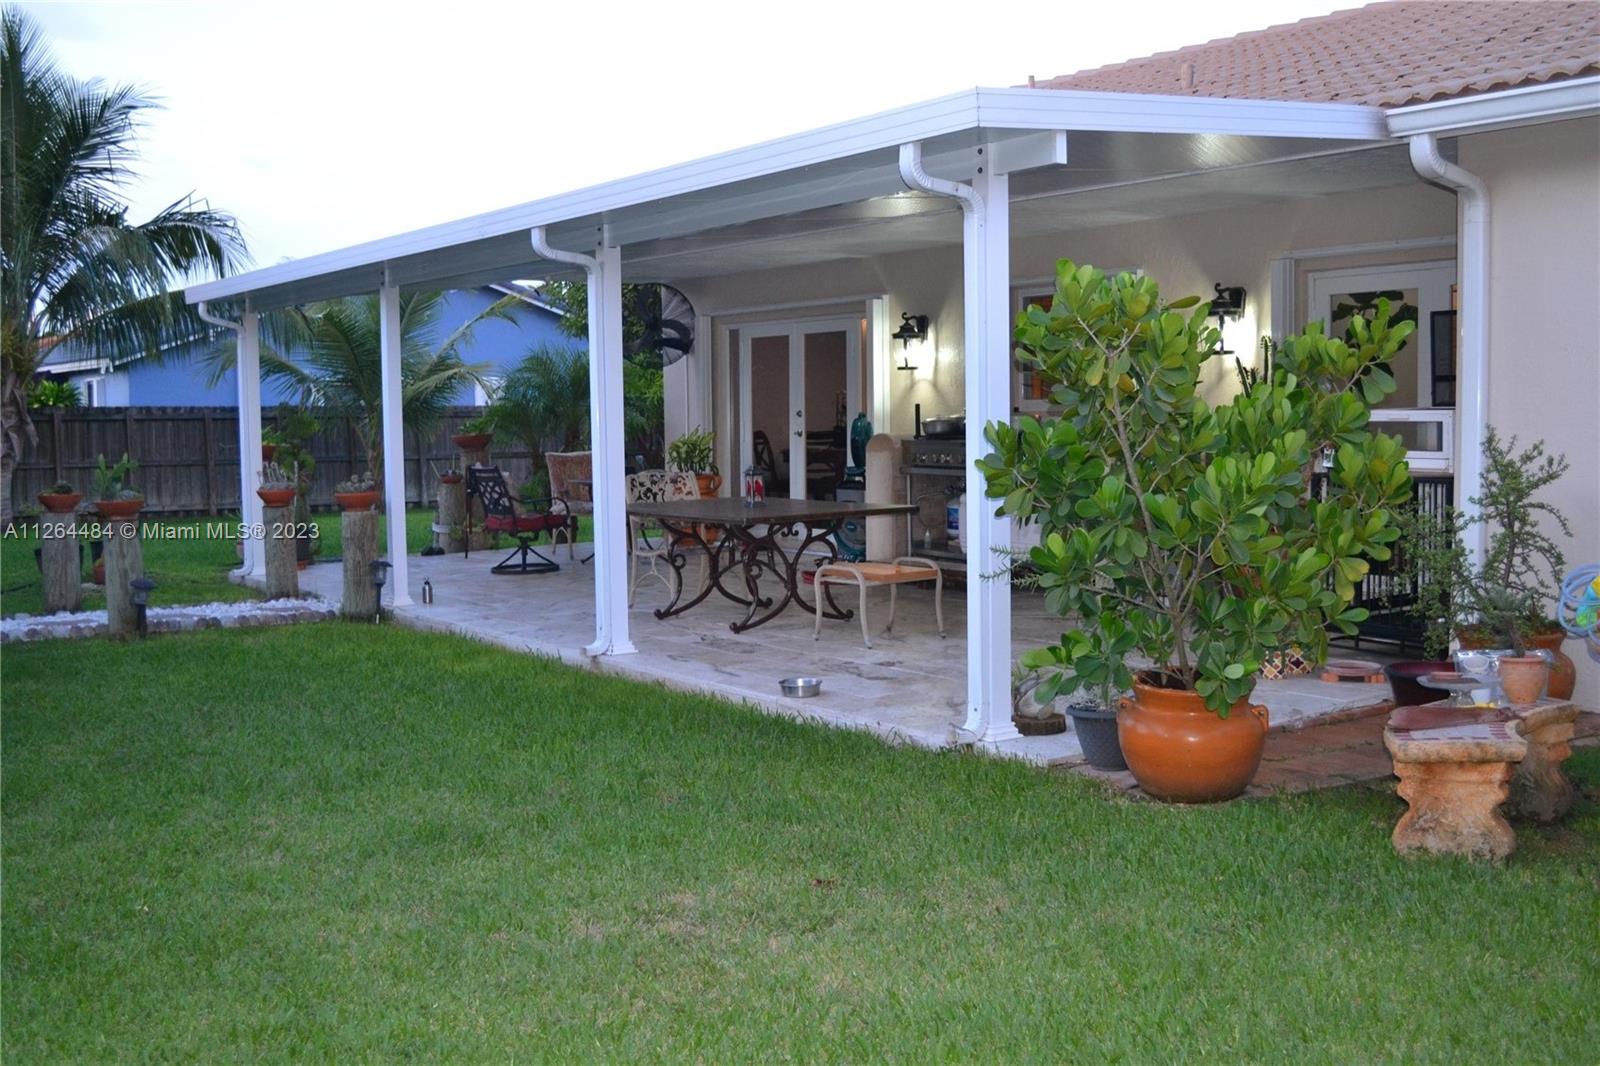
1472,373
204,311
919,180
605,641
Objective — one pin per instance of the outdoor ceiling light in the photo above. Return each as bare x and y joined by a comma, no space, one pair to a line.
912,328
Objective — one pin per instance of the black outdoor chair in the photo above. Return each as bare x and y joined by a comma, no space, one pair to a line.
547,516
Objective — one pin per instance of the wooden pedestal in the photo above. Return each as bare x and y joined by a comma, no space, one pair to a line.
62,568
124,559
360,534
283,574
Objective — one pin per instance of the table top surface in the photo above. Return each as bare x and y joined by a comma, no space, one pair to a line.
732,510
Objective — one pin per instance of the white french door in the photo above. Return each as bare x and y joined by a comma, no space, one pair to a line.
1425,287
780,400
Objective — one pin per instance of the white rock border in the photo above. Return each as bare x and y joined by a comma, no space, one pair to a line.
80,624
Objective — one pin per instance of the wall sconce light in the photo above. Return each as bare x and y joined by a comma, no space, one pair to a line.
912,328
1228,303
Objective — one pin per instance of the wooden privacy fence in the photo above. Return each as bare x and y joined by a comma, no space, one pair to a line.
189,456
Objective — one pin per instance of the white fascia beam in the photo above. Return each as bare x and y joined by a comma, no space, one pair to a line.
608,458
390,344
986,299
1472,373
1549,102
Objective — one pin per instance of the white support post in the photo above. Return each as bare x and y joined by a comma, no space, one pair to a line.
394,442
603,272
612,636
248,370
986,244
986,287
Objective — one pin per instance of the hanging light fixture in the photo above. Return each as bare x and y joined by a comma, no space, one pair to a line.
912,328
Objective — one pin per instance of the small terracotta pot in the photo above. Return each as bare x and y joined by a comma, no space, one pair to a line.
60,502
98,576
709,484
471,442
1180,751
356,501
1563,671
268,451
1523,677
276,497
449,479
119,508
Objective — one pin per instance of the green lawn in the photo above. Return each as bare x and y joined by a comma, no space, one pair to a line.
185,571
343,843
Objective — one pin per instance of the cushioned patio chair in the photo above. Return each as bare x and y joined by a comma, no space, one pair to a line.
572,479
657,486
541,517
905,570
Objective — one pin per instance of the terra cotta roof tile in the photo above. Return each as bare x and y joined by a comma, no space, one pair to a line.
1385,54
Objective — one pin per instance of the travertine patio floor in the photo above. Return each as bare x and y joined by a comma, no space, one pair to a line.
910,686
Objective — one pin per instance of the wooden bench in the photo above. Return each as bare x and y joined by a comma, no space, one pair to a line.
1458,765
906,569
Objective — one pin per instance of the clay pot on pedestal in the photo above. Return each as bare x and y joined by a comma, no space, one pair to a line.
60,502
112,509
1563,671
276,497
1522,677
1181,751
471,442
356,501
449,479
268,451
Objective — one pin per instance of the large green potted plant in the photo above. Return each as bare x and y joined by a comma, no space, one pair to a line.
1202,529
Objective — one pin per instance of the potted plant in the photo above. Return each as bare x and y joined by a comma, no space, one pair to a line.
693,453
114,496
293,434
450,475
1094,718
60,498
277,486
1032,715
1503,603
475,435
356,493
269,445
1193,526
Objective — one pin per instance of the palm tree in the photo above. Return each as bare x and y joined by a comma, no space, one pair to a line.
544,402
75,268
330,353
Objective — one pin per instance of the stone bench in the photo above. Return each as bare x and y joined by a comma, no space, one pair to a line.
1458,765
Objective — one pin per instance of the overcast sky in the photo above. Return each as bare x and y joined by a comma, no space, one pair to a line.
324,124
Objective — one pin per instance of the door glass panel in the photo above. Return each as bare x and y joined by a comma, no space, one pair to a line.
826,412
769,410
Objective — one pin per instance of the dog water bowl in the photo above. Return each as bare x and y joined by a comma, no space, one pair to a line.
799,687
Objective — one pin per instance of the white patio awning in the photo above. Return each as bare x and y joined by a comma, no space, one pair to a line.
829,184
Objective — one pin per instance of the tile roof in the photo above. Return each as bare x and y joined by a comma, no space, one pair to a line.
1385,54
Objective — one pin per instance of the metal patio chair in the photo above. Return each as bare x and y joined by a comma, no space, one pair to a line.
549,516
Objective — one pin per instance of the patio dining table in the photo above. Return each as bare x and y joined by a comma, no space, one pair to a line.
757,541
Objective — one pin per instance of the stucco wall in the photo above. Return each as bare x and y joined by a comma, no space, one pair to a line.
1185,254
1544,312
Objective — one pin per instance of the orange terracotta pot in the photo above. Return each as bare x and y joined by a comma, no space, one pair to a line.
709,484
1522,677
471,442
119,508
268,451
60,502
276,497
1181,752
355,501
1563,671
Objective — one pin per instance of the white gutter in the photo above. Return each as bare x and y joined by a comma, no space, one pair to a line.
1547,102
1472,372
204,311
603,275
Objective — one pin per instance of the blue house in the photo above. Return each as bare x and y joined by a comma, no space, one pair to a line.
184,382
